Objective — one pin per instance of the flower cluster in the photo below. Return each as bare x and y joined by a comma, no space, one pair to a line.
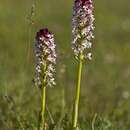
45,58
82,31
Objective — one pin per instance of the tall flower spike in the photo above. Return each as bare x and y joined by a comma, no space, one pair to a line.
45,58
82,30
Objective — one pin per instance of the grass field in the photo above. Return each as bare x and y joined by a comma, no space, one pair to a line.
106,79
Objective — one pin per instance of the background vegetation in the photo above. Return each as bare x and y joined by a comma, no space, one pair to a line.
106,79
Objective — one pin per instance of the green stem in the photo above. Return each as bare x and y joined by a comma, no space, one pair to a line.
43,101
76,105
43,105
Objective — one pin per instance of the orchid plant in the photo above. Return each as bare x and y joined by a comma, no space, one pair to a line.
45,67
82,31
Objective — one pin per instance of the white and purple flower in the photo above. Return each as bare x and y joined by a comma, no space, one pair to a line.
82,24
45,58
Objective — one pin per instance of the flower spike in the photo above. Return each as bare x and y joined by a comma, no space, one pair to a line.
45,57
82,28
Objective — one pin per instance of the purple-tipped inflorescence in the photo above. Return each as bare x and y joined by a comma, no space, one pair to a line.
82,31
45,58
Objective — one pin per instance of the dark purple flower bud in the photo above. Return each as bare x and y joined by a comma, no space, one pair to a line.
43,33
83,2
45,57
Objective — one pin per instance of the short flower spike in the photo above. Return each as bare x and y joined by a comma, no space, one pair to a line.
45,57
